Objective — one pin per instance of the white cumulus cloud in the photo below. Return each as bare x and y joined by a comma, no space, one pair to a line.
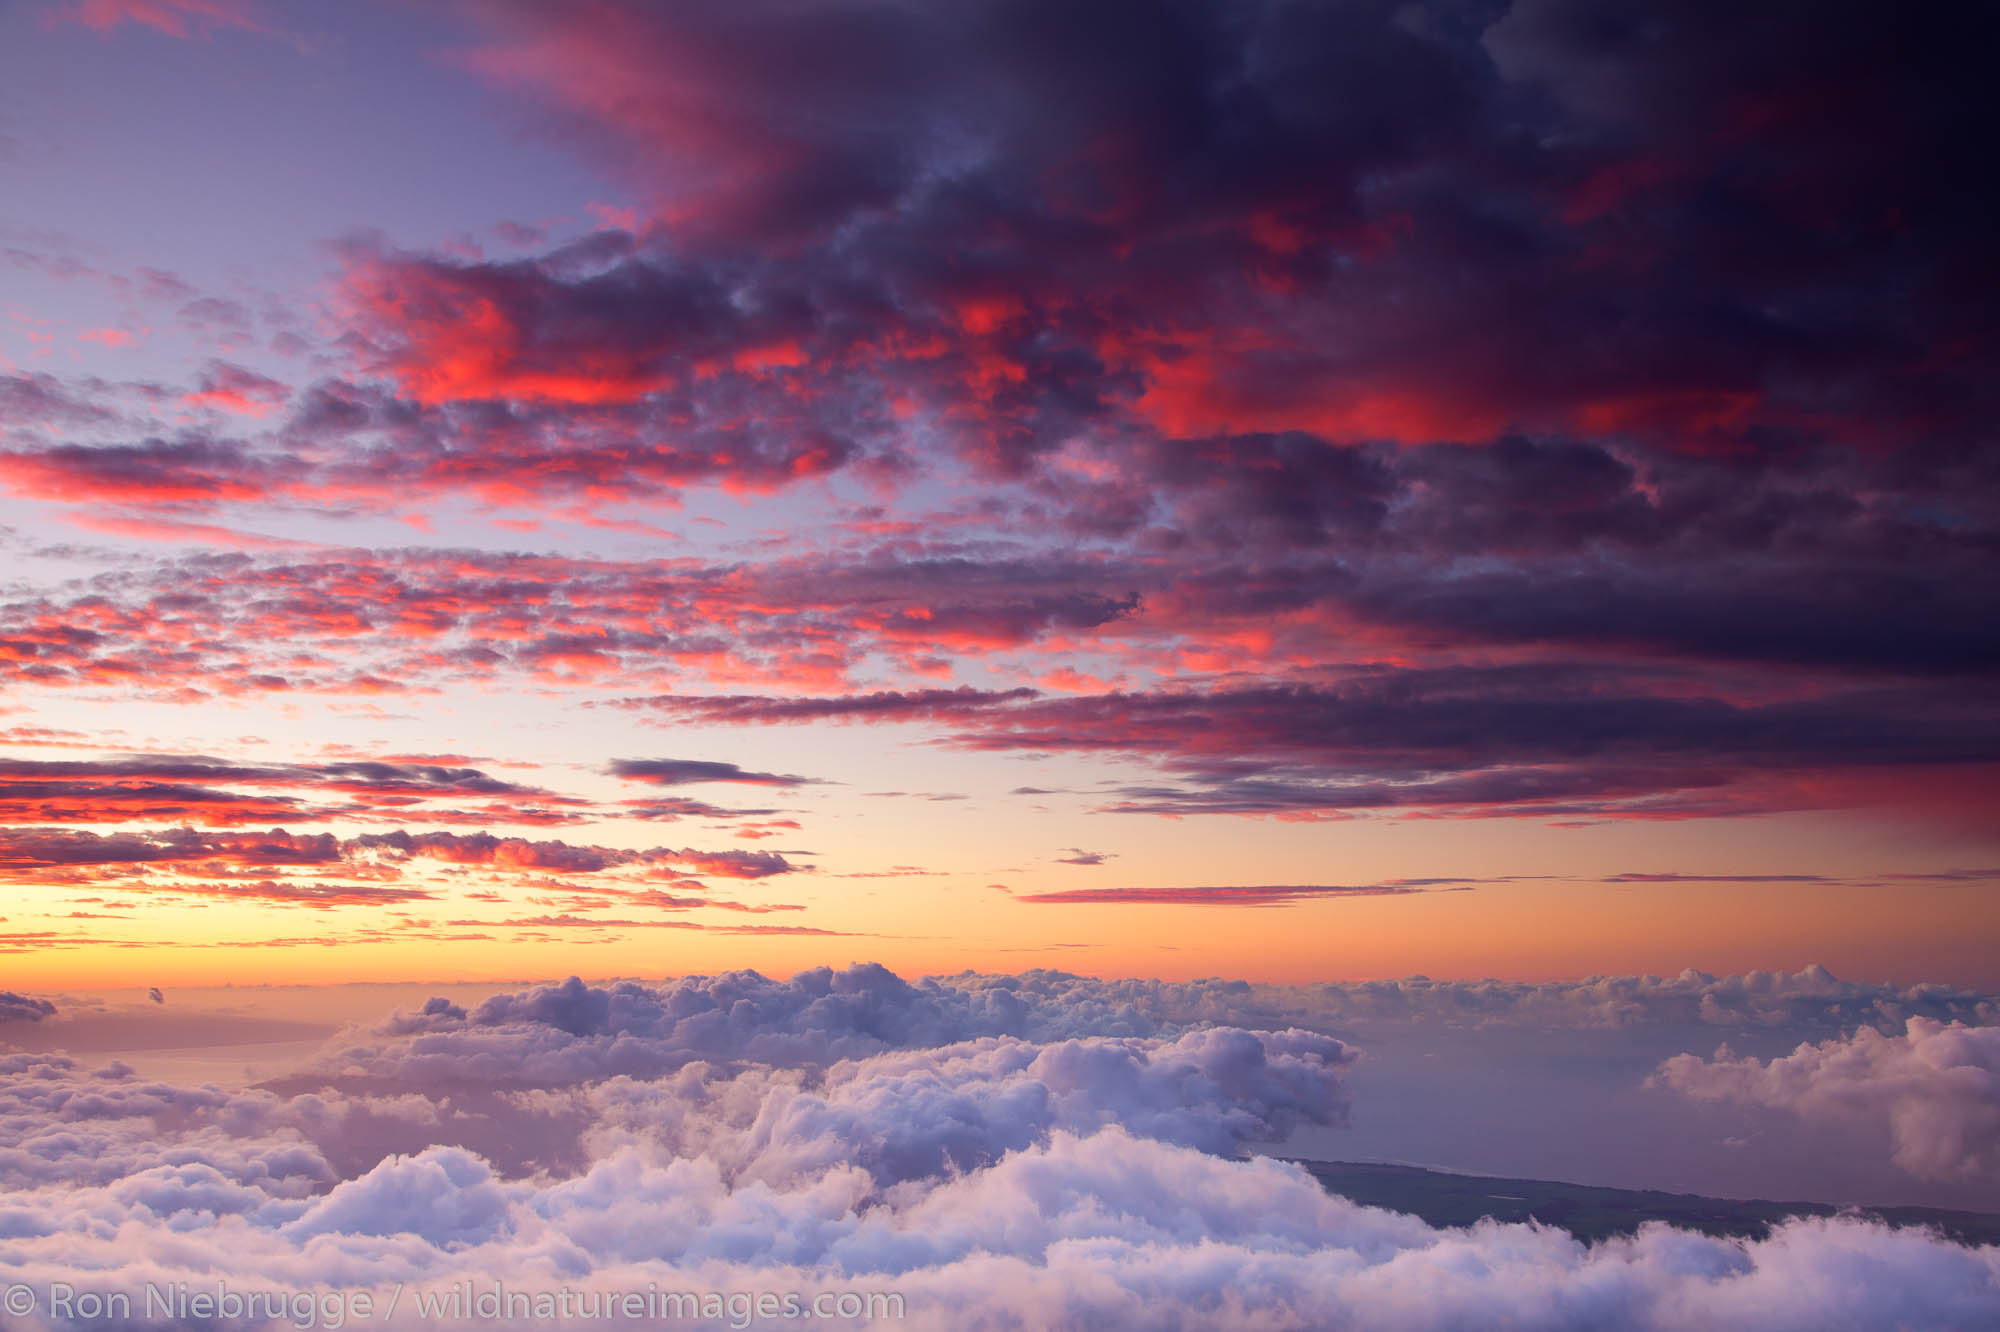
1023,1153
1935,1087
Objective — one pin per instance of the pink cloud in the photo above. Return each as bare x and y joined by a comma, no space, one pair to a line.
175,18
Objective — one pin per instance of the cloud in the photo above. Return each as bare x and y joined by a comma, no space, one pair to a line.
175,18
1263,345
1238,895
1677,560
40,398
1668,877
1546,741
845,1131
1559,733
1077,855
672,808
190,469
1811,998
291,892
884,705
1502,335
556,1035
681,772
23,1008
482,848
281,868
198,788
1075,1229
730,864
815,1019
26,852
1239,263
237,389
539,925
1935,1088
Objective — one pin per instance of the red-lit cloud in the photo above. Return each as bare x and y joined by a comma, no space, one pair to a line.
1325,411
321,871
236,389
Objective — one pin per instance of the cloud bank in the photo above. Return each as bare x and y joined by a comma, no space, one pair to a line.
1004,1152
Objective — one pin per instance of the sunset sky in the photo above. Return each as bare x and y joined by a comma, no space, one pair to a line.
979,650
493,491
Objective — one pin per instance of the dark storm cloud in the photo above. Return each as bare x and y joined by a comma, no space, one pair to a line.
1277,334
1242,228
1198,238
1708,227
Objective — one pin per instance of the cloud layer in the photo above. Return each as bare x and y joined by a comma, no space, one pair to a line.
1002,1151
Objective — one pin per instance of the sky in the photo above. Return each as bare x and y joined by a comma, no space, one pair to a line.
941,529
1289,491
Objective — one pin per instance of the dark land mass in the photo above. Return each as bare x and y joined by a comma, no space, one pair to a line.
1592,1213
